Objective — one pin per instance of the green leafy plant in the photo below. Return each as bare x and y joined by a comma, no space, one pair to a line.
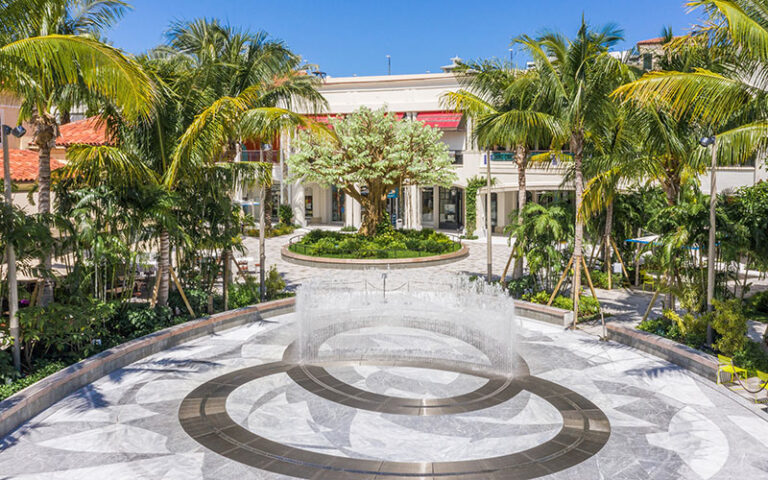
388,243
275,285
729,321
285,214
40,373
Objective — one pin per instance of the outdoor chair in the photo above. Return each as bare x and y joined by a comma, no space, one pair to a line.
725,365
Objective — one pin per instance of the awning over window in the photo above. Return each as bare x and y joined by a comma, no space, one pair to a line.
441,120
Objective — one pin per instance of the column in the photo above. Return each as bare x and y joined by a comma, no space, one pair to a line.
298,204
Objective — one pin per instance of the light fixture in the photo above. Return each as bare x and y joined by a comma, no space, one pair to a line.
17,132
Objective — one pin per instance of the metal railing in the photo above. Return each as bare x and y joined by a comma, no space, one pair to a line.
270,156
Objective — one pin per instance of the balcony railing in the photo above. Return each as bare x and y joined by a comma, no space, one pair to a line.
504,156
270,156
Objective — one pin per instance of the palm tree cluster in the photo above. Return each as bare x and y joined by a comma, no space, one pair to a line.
630,141
175,118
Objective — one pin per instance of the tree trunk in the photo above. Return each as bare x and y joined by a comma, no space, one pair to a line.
268,198
226,277
608,260
46,131
577,148
262,246
163,269
521,156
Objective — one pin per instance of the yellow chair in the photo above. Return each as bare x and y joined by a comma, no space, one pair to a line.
725,365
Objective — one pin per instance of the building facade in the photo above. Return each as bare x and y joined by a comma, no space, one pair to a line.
428,206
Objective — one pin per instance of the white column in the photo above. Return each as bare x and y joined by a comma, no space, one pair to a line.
298,204
436,202
412,208
501,210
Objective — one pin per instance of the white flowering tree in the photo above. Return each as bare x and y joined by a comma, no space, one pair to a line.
370,153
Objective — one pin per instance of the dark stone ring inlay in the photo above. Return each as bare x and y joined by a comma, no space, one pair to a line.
204,417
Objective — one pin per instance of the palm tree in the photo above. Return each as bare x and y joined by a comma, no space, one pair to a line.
38,65
504,104
577,77
249,85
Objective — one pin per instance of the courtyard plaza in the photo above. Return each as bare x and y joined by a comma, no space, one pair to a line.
643,418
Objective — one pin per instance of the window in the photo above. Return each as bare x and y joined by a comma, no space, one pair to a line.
647,61
428,206
337,204
458,157
308,206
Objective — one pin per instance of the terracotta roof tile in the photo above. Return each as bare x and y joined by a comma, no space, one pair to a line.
90,131
24,165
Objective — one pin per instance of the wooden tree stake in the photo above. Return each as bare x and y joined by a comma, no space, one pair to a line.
560,282
594,294
181,291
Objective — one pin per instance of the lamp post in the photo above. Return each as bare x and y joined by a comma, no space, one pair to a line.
13,289
707,142
488,224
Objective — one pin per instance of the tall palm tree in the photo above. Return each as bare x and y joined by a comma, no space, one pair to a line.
728,94
37,65
505,107
577,76
249,84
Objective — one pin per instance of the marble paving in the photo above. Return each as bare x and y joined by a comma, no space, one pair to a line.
665,422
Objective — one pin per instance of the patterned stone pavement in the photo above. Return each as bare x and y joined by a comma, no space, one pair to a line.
665,423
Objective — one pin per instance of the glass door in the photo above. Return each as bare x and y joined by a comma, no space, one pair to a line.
451,208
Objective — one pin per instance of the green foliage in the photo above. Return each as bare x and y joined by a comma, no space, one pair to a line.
758,303
474,184
277,231
285,214
139,320
751,357
244,294
63,331
275,285
7,373
40,373
729,321
388,243
688,329
599,279
521,286
588,306
349,228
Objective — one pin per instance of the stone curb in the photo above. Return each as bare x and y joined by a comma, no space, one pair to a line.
543,313
29,402
681,355
382,263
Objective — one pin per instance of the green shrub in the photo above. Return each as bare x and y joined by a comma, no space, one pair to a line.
8,374
349,228
658,326
688,329
751,357
758,302
39,373
729,321
588,306
285,214
520,286
386,244
275,285
244,294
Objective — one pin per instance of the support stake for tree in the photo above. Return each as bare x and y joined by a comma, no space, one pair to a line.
594,294
650,305
157,287
560,282
621,260
181,290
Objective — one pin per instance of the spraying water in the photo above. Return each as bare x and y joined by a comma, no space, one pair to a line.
360,320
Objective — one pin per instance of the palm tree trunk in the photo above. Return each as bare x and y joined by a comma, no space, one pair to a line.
45,139
608,260
226,278
262,246
521,155
577,148
163,269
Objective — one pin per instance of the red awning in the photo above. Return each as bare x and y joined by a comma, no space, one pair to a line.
441,120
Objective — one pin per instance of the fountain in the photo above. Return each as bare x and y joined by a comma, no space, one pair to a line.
340,322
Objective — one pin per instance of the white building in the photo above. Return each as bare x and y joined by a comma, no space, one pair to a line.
419,96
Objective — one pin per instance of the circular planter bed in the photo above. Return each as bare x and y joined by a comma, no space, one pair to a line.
366,263
388,249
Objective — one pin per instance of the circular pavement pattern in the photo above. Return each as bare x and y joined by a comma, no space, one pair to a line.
203,415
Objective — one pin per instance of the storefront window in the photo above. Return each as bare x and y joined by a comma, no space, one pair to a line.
337,205
428,206
308,206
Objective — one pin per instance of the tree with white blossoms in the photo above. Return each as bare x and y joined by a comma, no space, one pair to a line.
369,154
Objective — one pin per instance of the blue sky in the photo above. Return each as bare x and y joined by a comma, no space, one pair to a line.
348,37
